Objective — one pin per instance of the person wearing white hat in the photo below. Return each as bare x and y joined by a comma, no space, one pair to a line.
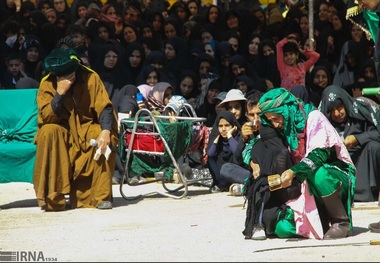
235,103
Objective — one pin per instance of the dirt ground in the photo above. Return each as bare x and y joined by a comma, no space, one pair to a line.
200,227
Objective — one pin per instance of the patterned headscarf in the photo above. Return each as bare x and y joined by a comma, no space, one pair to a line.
355,108
156,96
294,111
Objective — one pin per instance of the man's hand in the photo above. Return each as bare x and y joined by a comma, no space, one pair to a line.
64,83
246,131
104,140
287,178
255,169
350,141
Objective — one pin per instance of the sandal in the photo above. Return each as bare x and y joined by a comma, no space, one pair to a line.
236,189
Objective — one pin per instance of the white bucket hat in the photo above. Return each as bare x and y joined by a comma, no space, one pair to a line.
232,95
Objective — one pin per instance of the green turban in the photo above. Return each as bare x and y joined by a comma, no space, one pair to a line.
283,102
62,61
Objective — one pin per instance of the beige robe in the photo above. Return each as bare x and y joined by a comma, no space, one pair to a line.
64,159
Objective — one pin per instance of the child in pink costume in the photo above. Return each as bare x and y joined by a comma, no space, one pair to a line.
293,72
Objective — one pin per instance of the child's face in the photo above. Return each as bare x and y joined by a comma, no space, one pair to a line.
236,108
223,127
290,58
82,11
78,39
14,66
187,86
242,86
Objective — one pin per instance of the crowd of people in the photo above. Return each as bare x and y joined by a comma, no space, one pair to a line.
252,71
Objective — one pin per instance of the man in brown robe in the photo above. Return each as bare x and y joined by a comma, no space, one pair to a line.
73,108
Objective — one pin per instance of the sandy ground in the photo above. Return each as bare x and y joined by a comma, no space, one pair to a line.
197,228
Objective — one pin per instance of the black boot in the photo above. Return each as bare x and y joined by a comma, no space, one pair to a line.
340,224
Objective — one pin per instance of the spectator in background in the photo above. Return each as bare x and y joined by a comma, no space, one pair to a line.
204,104
33,54
188,86
15,71
133,60
235,103
159,97
224,137
358,125
292,71
350,65
373,5
148,75
316,82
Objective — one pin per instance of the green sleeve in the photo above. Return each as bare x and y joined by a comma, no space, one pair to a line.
315,159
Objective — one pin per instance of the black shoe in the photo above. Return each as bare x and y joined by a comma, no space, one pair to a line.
105,205
215,189
374,227
187,171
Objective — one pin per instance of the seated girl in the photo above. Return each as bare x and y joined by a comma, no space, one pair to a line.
223,142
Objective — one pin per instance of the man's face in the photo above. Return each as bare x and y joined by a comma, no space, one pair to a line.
253,113
369,4
277,120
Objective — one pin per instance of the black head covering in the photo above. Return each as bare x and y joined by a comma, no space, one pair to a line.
355,109
228,116
126,101
31,41
247,81
300,92
155,57
238,60
276,158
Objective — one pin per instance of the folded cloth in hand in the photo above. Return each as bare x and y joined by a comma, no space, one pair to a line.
99,152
